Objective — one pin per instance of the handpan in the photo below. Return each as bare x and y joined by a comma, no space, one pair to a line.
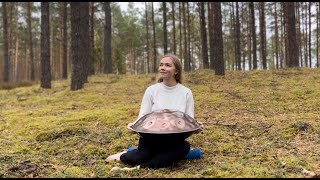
170,123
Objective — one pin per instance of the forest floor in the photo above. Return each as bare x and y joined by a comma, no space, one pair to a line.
262,123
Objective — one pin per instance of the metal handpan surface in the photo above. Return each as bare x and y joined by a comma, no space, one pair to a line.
167,122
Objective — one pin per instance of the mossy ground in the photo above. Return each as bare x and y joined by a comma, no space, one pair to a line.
257,124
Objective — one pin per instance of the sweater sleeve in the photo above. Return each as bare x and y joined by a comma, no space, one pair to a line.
146,104
190,105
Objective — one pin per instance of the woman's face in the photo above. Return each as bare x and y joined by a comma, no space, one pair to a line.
167,70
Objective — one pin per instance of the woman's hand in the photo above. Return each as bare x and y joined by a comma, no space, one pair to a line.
129,126
201,125
201,128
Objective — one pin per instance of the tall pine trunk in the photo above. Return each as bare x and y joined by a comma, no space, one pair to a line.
154,42
211,31
217,37
203,37
165,38
79,43
262,35
253,34
107,40
5,40
45,74
291,31
174,29
147,39
29,6
65,42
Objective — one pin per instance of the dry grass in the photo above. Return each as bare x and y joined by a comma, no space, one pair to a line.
257,124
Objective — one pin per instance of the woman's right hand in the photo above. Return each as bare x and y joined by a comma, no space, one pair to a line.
200,129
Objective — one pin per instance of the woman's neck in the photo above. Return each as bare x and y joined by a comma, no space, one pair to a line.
169,82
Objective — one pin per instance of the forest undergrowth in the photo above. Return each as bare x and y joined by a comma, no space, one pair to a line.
261,123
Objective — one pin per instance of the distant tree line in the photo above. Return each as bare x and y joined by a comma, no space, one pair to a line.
51,40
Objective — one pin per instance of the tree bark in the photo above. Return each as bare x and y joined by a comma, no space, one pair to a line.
79,43
154,43
5,40
147,39
204,48
291,29
65,42
45,76
107,40
254,36
217,37
174,29
165,38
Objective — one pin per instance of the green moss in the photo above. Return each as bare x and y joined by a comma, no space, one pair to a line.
76,172
254,122
208,172
51,136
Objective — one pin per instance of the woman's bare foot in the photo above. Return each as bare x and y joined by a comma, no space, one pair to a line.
115,157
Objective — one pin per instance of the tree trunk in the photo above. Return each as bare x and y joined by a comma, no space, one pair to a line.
253,34
5,40
147,39
203,37
186,58
299,39
189,38
107,40
45,75
16,41
11,25
242,39
238,45
249,39
211,27
306,38
276,34
16,57
309,8
79,43
180,31
52,54
154,43
174,30
282,35
318,16
65,42
217,37
292,55
262,35
91,68
165,38
60,38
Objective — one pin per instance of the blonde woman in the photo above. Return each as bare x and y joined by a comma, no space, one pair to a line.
167,93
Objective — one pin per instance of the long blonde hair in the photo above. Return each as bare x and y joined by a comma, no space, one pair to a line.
177,64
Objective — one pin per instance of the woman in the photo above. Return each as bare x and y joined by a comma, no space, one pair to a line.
168,93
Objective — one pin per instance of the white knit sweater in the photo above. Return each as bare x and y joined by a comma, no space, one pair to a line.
159,97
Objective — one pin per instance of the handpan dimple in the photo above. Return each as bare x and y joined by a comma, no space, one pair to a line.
180,123
164,125
149,124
